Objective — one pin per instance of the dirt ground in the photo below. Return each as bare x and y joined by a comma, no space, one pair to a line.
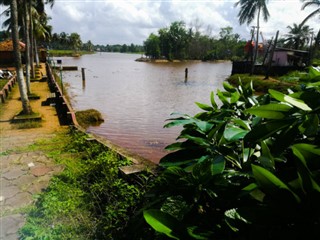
12,106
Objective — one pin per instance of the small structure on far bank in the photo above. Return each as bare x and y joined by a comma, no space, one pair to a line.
284,60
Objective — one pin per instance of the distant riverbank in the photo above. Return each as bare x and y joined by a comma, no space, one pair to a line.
144,59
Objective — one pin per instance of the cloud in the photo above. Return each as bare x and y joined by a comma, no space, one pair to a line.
125,22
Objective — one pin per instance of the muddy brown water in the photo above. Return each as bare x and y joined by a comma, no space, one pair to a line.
136,98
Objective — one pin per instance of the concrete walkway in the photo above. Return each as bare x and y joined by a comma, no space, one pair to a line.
23,172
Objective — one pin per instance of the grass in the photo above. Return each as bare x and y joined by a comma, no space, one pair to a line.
3,82
89,199
263,85
27,125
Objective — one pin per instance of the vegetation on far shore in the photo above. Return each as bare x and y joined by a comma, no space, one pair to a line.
67,53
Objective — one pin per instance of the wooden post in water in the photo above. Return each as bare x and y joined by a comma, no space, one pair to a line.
83,78
186,75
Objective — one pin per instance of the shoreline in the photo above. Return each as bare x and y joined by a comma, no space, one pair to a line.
149,60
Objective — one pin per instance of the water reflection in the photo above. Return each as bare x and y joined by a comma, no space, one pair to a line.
136,98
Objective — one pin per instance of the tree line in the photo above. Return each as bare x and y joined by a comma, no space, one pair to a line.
179,42
65,41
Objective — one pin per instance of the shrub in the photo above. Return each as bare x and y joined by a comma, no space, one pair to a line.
247,169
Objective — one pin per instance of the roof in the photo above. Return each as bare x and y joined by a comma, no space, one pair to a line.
280,49
7,46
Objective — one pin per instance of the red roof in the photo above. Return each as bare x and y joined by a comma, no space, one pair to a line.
7,46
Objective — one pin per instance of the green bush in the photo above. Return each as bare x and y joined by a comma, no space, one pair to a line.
248,169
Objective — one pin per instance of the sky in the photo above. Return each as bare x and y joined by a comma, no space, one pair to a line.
125,22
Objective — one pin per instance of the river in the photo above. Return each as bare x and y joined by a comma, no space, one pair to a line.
136,98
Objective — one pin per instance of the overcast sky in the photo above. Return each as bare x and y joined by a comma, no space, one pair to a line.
125,22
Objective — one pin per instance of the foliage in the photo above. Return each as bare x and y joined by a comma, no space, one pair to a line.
298,36
246,169
179,42
262,85
89,199
63,41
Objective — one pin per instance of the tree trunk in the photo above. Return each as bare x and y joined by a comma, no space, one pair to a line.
31,42
27,49
36,52
26,107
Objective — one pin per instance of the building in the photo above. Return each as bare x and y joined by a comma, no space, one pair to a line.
6,52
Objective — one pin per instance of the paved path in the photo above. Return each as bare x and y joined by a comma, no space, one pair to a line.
23,172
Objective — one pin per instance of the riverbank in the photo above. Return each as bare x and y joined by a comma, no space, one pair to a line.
145,59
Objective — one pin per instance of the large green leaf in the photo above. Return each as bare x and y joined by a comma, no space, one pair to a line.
272,110
204,126
235,97
198,140
303,152
241,123
218,165
161,222
307,152
178,121
229,87
222,98
213,102
270,183
204,106
182,157
233,133
293,101
265,130
266,159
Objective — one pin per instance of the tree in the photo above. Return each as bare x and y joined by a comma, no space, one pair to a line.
27,23
311,3
26,107
248,10
75,41
152,46
298,36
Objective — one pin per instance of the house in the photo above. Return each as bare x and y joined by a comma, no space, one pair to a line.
6,52
290,57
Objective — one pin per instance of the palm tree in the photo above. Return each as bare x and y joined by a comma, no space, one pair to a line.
27,42
311,3
248,10
298,36
26,107
75,41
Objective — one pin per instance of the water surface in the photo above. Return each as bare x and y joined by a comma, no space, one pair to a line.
136,98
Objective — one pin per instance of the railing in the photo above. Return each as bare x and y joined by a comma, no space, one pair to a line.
4,93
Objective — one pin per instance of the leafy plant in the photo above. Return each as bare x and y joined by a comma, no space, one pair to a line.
244,169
